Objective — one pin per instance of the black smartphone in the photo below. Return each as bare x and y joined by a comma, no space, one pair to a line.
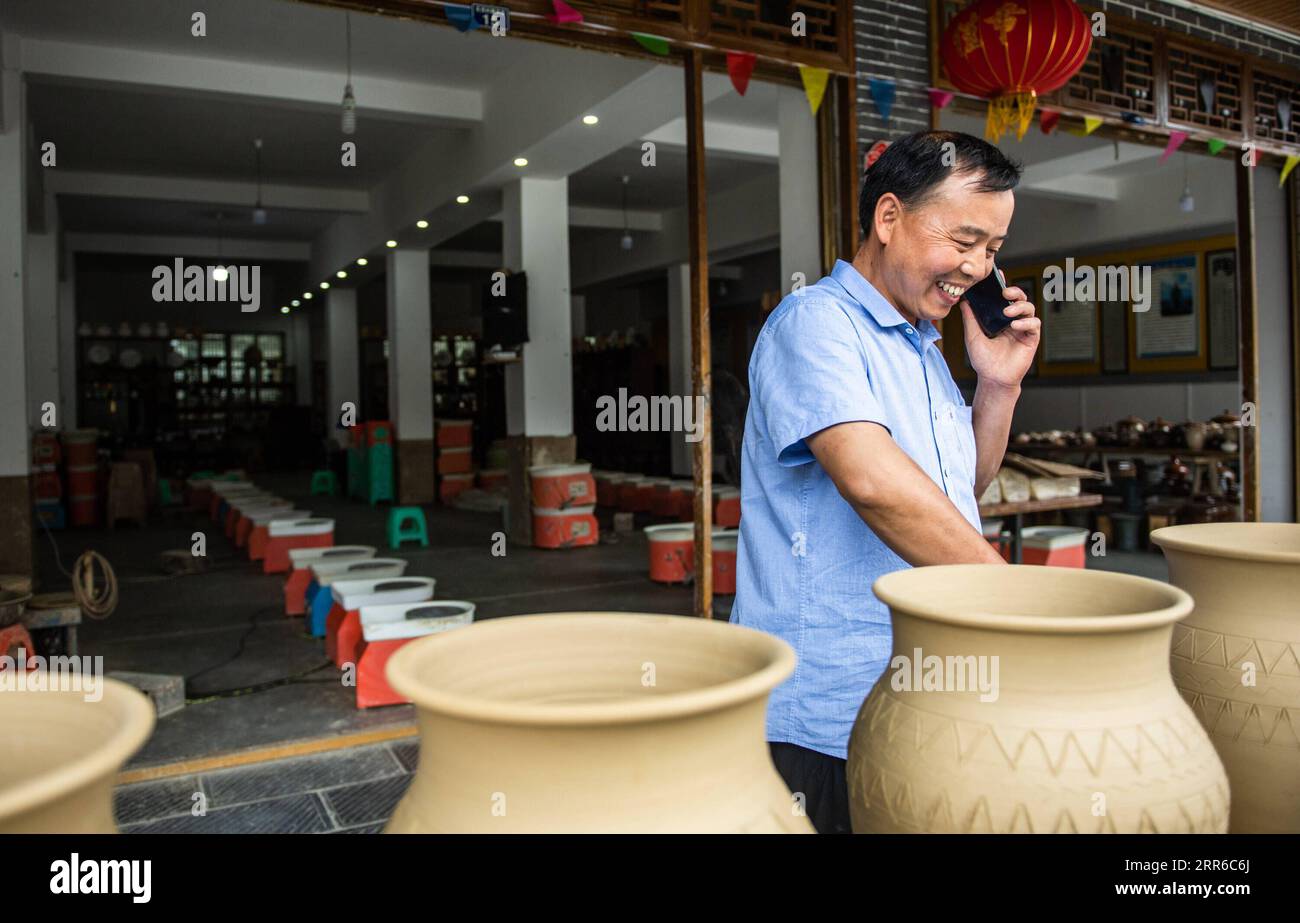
986,302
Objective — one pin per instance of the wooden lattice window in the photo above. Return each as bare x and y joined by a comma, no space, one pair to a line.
666,10
1276,104
1204,90
1119,75
769,20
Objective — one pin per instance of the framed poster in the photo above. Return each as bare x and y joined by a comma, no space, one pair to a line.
1114,336
1071,329
1221,307
1171,327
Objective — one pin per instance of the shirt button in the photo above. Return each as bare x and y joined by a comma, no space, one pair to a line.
910,331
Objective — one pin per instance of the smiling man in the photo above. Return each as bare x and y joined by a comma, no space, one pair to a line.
860,455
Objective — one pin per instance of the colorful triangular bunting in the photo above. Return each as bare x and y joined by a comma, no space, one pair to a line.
1176,139
740,64
814,85
563,13
651,43
1291,161
882,94
1047,119
1214,145
1090,124
939,98
461,15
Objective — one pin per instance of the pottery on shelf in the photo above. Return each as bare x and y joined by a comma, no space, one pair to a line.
594,722
1236,658
63,750
1074,727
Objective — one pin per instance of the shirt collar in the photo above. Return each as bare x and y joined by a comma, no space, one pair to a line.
881,311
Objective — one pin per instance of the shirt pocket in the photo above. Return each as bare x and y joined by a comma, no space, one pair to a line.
956,426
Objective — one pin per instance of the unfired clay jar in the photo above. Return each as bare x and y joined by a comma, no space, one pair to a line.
61,755
594,723
1236,658
1079,730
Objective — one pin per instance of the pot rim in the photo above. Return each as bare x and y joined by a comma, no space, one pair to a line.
1191,538
781,663
894,590
136,722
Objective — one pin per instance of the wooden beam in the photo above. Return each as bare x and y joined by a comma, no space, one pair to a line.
701,358
849,159
1293,248
1247,253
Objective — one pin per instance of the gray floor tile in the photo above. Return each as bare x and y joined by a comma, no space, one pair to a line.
150,800
294,814
407,753
302,774
367,828
367,802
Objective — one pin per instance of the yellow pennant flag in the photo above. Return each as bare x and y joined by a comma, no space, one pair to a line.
1090,123
1291,161
814,85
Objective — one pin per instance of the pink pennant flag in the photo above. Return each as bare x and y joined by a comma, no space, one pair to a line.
564,12
939,98
1176,139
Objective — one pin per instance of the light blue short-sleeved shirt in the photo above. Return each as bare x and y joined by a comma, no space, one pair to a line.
836,352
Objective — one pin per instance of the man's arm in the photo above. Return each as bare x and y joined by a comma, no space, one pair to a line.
991,416
896,498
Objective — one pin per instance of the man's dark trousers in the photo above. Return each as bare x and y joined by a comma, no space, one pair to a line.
821,779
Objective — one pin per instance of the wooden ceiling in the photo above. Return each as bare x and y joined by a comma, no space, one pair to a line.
1282,14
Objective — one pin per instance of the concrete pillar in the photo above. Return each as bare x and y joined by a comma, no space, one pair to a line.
1276,412
41,320
679,356
302,358
797,189
68,341
344,365
539,389
410,372
15,447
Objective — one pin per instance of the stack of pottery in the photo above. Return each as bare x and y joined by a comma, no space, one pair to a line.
1028,699
594,722
1236,658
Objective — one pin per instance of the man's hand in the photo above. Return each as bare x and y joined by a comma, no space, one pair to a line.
896,498
1003,360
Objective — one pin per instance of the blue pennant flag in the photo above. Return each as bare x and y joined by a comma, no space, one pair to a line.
461,16
882,94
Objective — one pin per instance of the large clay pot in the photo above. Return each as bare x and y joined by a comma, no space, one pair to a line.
1079,730
61,754
594,722
1236,658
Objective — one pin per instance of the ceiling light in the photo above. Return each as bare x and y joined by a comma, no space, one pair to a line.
220,274
391,243
295,302
521,161
259,213
341,274
589,120
324,285
421,224
284,309
348,123
1185,202
462,200
363,261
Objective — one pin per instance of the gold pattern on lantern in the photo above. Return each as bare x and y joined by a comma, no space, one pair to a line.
1004,19
968,31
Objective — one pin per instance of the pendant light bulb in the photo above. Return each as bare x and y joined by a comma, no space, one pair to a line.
626,241
348,123
1185,202
259,213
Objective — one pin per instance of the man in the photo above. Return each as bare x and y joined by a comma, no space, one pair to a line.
860,456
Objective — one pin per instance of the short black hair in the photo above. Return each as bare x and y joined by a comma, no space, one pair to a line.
913,166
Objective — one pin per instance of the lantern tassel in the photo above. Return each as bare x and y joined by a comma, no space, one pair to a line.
1008,110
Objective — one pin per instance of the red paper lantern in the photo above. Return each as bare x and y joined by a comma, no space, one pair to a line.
1012,50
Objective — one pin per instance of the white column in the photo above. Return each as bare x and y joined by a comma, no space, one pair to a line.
1276,412
797,195
302,358
15,451
41,321
535,239
68,341
679,355
410,345
344,366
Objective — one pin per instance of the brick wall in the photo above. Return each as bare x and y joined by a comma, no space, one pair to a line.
892,41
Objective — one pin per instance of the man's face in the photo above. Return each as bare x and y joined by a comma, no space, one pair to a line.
934,253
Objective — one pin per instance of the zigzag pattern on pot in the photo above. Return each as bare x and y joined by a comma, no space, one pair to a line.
934,812
1162,743
1273,658
1262,724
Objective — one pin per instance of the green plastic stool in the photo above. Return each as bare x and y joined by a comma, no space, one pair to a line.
165,497
324,482
406,523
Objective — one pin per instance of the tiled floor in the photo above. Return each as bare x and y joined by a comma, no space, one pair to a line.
344,791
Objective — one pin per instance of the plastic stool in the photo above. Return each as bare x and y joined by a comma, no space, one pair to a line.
406,523
324,482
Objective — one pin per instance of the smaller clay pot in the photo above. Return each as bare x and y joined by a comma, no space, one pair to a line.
1194,434
1130,430
1022,439
1159,433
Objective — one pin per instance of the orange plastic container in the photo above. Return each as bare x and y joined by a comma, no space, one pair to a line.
45,449
48,486
672,552
643,497
625,497
449,485
607,487
83,510
560,487
1054,546
571,528
726,507
454,461
79,447
82,480
493,478
454,433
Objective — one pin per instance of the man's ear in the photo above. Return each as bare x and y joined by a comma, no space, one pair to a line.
888,211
